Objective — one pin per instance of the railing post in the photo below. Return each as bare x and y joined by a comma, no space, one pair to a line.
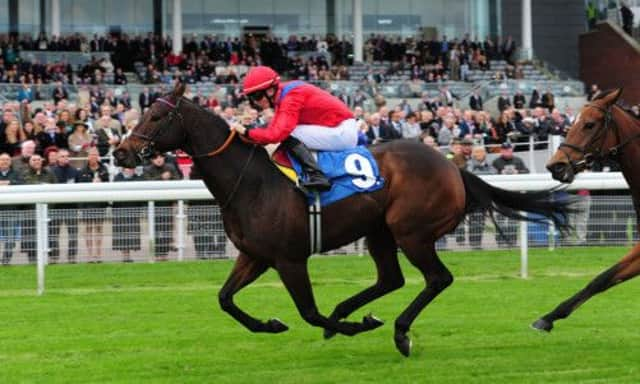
181,229
552,235
151,219
532,159
42,243
524,250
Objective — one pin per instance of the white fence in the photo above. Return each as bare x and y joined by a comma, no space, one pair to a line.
160,220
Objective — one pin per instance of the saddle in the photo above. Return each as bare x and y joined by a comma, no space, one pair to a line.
351,171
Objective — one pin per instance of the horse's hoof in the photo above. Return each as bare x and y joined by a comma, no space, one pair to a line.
276,326
371,322
328,334
403,343
542,325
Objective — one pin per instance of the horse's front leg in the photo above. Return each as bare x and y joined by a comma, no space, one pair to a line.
244,272
295,277
625,269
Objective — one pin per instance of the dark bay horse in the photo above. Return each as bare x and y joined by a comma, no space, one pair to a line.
425,196
602,129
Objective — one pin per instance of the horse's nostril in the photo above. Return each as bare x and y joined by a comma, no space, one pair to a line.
556,168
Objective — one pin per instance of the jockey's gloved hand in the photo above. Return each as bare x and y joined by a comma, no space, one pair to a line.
241,129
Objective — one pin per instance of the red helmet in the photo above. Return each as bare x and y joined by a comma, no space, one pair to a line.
259,78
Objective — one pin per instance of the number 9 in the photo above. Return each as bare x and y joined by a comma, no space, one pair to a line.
358,165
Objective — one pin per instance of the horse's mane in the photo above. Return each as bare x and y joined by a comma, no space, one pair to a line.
627,110
203,109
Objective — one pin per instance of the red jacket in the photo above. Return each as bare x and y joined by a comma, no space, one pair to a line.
304,104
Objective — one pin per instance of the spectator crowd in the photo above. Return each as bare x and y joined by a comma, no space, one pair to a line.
70,140
207,58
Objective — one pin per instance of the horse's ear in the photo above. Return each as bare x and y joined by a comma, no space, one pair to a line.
179,89
611,97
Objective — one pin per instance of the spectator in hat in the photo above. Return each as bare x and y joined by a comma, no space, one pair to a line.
455,153
126,227
508,164
92,215
160,169
205,225
461,158
67,214
9,214
35,173
79,142
478,165
467,148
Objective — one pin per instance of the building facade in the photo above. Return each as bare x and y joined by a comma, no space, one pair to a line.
231,18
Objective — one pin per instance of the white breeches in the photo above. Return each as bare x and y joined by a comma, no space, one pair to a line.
320,138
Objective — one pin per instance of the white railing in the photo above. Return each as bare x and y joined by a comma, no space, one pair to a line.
196,190
151,192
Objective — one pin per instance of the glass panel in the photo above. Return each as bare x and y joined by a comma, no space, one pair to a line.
4,16
132,17
284,17
452,18
84,16
28,17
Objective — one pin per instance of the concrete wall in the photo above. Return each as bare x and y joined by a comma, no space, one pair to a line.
556,28
611,59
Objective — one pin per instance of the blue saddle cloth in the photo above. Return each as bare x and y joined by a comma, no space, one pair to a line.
351,171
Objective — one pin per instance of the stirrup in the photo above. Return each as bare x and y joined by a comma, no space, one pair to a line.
317,183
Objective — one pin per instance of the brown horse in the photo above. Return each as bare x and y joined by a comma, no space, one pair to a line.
602,129
425,196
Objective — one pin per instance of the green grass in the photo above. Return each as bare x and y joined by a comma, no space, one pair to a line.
160,323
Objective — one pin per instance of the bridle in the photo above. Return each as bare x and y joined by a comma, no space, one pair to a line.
592,151
174,114
147,150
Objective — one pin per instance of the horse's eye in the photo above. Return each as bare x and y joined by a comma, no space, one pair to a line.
154,118
589,125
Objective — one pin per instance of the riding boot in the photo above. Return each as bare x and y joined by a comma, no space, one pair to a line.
315,178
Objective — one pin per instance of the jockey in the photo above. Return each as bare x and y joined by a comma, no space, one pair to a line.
306,117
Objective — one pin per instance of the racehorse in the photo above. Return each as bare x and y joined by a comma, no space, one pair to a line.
602,129
424,197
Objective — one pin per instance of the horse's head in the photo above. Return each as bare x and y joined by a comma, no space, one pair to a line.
161,128
587,138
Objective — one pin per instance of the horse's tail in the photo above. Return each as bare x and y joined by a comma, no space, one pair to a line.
484,197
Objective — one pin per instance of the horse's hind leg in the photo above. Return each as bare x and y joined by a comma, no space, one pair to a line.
244,272
625,269
295,276
384,251
437,277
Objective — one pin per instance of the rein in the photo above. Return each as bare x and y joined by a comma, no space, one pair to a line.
148,149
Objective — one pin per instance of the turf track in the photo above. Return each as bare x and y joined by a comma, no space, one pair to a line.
161,323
